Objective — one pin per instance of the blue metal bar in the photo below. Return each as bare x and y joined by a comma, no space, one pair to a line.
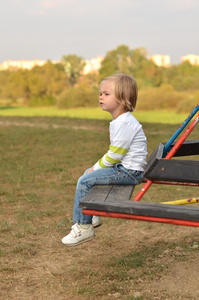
179,130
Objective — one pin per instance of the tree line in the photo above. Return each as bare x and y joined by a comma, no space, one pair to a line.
64,85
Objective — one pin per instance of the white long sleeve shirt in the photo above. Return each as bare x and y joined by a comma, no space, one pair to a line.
128,144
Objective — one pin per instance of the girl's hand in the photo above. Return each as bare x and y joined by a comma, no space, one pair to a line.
90,170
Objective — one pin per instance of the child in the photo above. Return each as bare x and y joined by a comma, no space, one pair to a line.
124,162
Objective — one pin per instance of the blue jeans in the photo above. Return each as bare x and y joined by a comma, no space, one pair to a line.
115,175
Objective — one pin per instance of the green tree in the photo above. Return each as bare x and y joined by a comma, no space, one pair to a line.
116,61
73,66
39,83
16,85
133,62
78,96
3,81
183,76
46,82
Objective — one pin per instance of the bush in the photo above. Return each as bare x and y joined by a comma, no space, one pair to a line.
186,105
165,98
41,101
77,97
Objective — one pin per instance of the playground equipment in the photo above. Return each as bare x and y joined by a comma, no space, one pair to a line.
114,200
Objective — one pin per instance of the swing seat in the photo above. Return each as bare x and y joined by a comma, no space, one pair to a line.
96,203
174,170
114,200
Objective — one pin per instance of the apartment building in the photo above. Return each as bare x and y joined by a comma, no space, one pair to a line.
191,58
93,65
21,64
160,60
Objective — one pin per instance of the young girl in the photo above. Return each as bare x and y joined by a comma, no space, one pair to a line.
124,162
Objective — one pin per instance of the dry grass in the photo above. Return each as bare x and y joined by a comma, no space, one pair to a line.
128,259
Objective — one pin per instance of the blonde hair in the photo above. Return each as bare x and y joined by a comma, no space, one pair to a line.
125,90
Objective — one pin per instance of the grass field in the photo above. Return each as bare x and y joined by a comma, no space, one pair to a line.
164,117
41,159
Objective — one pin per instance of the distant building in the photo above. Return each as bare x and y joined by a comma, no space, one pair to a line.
160,60
21,64
93,65
191,58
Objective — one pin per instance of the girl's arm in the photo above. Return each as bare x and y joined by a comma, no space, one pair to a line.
123,136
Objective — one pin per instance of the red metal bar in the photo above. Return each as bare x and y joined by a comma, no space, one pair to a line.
140,218
176,183
143,190
169,156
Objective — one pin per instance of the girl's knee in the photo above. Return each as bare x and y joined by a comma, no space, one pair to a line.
81,179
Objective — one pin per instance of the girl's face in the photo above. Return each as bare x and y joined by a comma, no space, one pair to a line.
107,99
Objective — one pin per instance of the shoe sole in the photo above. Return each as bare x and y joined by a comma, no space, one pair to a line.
97,225
80,242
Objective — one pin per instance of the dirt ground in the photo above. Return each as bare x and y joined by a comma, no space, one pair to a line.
57,272
126,260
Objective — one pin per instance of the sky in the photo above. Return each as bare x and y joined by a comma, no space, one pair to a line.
49,29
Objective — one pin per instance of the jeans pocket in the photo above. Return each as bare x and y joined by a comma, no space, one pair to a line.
118,178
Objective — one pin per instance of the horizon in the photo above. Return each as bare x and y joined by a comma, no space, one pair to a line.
49,29
57,61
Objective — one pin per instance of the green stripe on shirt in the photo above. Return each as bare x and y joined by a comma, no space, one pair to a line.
109,159
112,160
118,150
102,165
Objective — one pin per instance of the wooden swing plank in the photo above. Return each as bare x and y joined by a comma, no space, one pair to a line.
175,170
160,169
141,218
142,209
109,192
190,147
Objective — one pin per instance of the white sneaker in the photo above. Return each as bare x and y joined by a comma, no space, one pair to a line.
78,235
96,221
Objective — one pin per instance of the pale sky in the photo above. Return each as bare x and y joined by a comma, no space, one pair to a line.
49,29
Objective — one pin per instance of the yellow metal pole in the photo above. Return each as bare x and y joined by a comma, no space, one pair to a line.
182,201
